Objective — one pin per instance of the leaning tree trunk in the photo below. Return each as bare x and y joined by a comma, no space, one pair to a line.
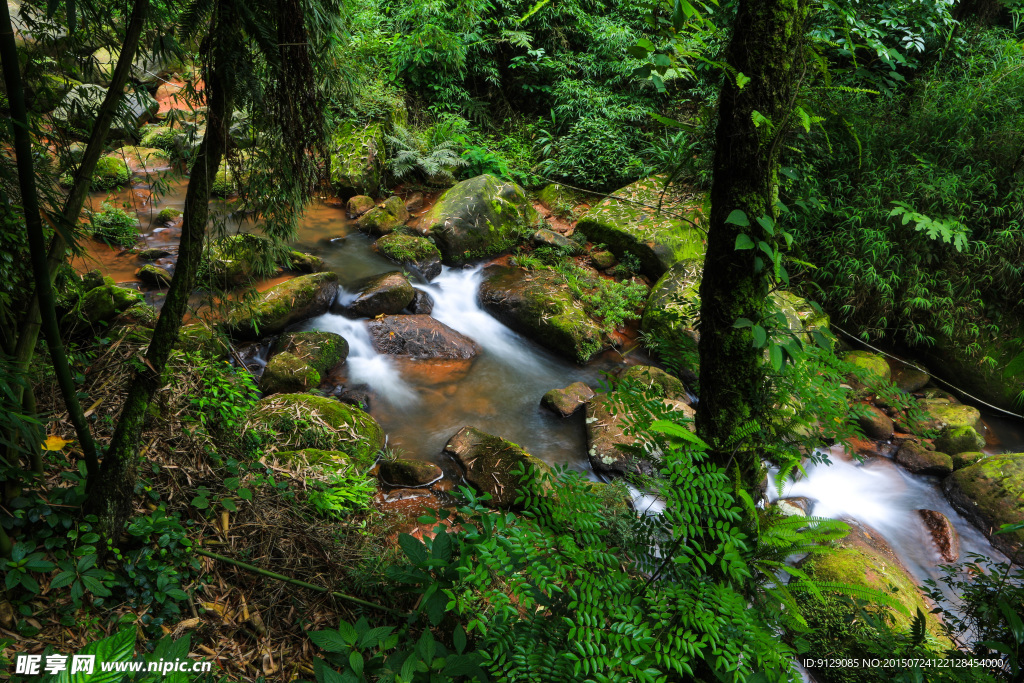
110,493
28,334
762,56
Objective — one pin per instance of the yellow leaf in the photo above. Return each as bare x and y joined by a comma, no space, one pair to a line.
54,443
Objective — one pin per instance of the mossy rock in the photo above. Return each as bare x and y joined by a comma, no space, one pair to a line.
49,90
168,216
396,207
358,159
286,373
384,294
237,259
328,460
655,381
603,260
102,304
962,460
658,239
538,305
321,350
567,401
95,278
479,217
673,306
137,315
378,221
198,338
408,473
488,462
941,412
607,440
281,305
305,263
874,366
550,238
990,493
917,459
304,421
224,184
959,439
907,378
415,253
101,66
110,172
556,198
358,205
154,276
173,140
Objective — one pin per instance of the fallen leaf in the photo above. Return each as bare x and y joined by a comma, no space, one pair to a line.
54,443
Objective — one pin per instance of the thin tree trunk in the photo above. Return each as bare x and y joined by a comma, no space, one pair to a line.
37,239
29,329
765,46
112,491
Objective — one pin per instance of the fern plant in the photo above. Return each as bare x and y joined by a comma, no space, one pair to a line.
412,157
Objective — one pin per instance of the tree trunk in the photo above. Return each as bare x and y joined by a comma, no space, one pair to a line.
111,493
765,48
37,241
29,329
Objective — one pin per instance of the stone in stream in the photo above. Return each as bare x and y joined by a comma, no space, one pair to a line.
358,396
415,253
655,381
286,373
321,350
422,303
943,534
387,293
989,494
962,460
383,219
942,411
875,424
408,473
631,222
281,305
488,462
917,459
567,401
959,439
907,378
538,305
550,238
606,437
153,253
419,336
358,205
303,421
305,263
154,276
479,217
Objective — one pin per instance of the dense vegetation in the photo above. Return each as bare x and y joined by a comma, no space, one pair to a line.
866,156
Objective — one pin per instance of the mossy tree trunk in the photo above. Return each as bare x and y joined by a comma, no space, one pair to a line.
112,491
764,57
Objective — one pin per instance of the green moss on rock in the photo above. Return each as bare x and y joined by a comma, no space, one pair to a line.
286,373
959,439
416,253
488,462
281,305
654,381
321,350
102,304
874,367
990,493
358,159
408,473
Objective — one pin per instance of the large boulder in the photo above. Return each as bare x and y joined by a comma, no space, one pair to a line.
630,222
941,412
917,459
408,473
281,305
655,381
384,219
286,373
959,439
80,107
303,421
875,424
610,448
154,276
102,304
538,305
321,350
479,217
488,462
989,494
358,205
420,336
415,253
358,159
872,367
380,294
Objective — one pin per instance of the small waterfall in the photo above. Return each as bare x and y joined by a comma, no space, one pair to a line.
365,365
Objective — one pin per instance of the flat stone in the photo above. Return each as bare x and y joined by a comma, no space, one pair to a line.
567,401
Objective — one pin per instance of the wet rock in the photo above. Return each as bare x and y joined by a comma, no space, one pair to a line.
479,217
378,221
989,494
286,373
567,401
658,239
655,381
396,207
488,462
874,367
415,253
358,396
415,202
962,460
907,378
876,424
419,336
101,305
94,278
943,534
358,158
321,350
538,305
407,473
422,303
603,260
154,276
358,205
153,254
281,305
804,505
606,438
940,412
305,421
550,238
959,439
788,509
388,293
305,263
915,458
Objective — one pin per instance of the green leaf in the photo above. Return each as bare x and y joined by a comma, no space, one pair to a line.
442,547
760,336
677,431
775,355
228,504
737,217
355,660
459,639
62,579
742,80
200,502
767,223
117,648
742,323
414,549
329,640
743,242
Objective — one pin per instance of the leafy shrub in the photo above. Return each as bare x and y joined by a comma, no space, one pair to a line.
412,156
110,173
596,154
115,226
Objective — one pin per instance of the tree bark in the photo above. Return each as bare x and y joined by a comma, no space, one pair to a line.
765,48
110,494
37,241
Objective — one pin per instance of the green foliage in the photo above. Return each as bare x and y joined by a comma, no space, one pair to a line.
411,156
225,399
344,492
110,173
614,303
115,226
